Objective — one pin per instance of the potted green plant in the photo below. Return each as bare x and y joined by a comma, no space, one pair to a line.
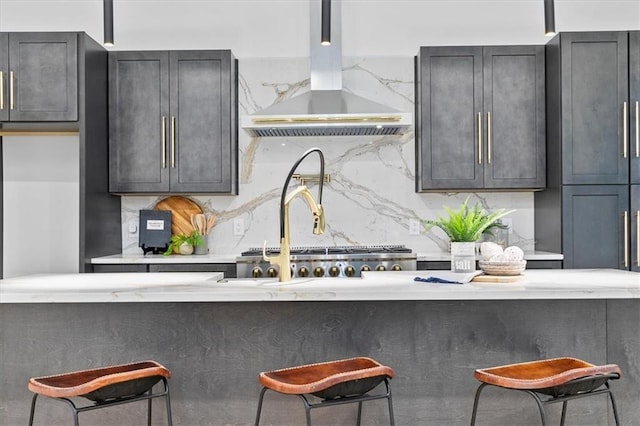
184,244
464,227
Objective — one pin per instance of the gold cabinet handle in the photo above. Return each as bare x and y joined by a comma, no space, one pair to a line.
479,138
638,238
488,138
11,90
626,239
1,90
637,130
173,142
624,130
163,142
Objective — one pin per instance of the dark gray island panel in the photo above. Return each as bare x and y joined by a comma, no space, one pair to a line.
215,351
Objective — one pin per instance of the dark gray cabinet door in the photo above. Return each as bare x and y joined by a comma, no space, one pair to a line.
41,76
514,108
138,122
634,236
634,106
593,227
449,118
594,75
201,87
4,77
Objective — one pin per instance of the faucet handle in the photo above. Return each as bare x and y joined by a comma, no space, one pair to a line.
264,252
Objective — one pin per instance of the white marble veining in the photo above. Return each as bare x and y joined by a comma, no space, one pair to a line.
211,287
371,196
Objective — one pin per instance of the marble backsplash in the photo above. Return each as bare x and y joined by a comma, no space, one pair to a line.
371,197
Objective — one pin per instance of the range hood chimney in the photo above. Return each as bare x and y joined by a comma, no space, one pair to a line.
327,109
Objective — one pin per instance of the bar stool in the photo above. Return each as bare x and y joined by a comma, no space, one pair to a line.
335,382
106,387
551,380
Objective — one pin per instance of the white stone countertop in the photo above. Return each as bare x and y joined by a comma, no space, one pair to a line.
380,286
119,259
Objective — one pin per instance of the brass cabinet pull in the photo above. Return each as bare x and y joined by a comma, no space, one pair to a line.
638,238
479,138
626,239
1,90
173,142
637,130
488,138
163,142
624,129
11,90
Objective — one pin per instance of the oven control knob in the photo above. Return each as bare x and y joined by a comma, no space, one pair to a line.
350,271
318,272
272,272
303,271
381,268
365,268
334,271
396,267
256,272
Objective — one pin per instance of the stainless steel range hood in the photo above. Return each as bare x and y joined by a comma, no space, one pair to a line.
326,110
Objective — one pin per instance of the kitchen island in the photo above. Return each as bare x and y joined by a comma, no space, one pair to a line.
215,335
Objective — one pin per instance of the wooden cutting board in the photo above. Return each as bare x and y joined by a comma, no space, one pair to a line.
482,278
181,210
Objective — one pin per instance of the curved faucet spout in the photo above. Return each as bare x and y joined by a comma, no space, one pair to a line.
283,258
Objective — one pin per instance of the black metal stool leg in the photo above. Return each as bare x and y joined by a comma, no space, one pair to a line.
359,413
392,420
543,414
307,408
613,405
260,405
167,401
33,408
149,409
475,403
564,413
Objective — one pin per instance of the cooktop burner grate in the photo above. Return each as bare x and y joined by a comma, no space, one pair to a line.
257,251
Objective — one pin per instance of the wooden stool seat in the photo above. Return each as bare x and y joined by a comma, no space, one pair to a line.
105,386
101,384
545,374
336,382
561,379
317,378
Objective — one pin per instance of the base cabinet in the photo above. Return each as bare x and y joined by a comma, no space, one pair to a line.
228,269
173,122
480,118
38,76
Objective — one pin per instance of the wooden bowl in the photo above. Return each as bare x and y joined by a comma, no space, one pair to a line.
502,268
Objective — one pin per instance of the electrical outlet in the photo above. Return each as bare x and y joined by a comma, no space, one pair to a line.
414,227
238,226
133,227
507,221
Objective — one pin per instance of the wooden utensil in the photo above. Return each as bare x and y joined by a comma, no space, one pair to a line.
211,220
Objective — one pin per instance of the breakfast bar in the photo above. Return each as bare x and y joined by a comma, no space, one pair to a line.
216,334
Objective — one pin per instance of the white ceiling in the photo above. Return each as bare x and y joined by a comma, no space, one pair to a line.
280,28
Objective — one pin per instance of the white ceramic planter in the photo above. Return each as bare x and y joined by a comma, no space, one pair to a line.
463,256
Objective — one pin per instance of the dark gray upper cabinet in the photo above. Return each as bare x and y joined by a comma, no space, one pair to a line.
38,77
634,106
480,118
593,107
173,122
